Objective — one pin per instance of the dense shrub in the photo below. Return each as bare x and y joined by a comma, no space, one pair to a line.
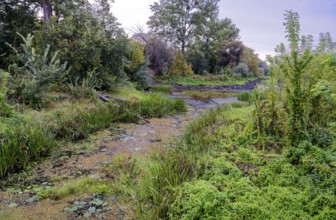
160,56
242,70
225,178
180,67
33,72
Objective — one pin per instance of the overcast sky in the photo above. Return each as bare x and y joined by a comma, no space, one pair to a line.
260,21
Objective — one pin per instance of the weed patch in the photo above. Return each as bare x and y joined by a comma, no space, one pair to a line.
216,170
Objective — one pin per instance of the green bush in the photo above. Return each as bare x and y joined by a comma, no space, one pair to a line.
180,67
199,200
33,72
242,70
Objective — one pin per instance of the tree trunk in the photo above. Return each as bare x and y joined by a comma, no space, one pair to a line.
47,10
183,47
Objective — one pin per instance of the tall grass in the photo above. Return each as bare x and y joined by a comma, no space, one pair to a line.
21,143
167,89
158,105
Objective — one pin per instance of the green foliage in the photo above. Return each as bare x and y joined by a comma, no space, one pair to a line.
137,56
77,123
251,60
16,17
5,109
142,78
299,113
33,72
242,70
179,21
88,43
180,67
198,200
203,54
224,177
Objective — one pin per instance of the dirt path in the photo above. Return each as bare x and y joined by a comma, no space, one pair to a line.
88,159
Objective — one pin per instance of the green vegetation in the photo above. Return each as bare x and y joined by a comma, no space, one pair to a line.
167,89
180,67
210,80
84,185
270,157
246,97
33,135
218,171
73,71
21,143
121,177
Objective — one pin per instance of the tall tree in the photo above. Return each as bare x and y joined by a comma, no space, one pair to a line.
307,42
326,43
179,21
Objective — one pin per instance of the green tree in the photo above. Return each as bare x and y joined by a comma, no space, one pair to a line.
179,21
251,59
15,17
326,43
203,53
307,42
180,66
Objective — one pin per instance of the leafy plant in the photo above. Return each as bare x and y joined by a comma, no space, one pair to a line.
33,72
5,109
180,67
